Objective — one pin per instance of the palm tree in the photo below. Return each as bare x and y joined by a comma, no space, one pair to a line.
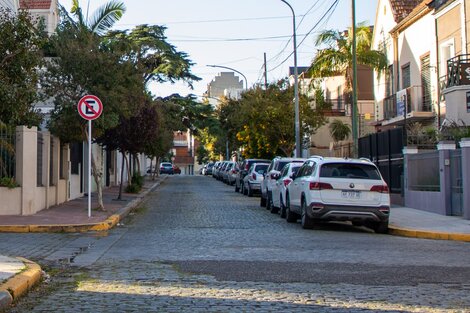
336,59
339,131
102,20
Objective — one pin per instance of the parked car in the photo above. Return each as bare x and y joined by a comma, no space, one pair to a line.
336,189
176,169
232,174
280,187
222,167
270,177
244,167
166,168
253,179
208,168
226,171
215,169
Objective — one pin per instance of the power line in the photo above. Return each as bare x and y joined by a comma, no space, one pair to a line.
329,12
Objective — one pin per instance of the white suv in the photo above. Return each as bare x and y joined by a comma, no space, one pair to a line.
336,189
270,178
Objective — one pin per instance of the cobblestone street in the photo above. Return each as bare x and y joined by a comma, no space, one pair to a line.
197,246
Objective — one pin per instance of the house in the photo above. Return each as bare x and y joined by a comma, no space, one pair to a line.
184,152
45,10
453,43
408,91
11,5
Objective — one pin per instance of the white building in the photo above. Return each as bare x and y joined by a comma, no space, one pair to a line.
10,5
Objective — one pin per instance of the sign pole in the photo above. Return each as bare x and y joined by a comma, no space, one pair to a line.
90,108
89,168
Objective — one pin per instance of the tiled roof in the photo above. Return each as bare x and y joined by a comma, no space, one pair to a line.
401,8
35,4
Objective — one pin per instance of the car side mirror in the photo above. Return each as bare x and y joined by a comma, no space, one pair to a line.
293,176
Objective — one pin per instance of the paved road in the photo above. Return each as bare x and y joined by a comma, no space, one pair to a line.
196,246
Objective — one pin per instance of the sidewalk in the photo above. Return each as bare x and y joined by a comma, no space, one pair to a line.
72,216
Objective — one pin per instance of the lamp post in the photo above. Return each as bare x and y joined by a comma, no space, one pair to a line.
354,120
232,69
298,150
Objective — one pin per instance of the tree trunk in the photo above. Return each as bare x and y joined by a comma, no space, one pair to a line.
129,176
138,163
97,175
122,177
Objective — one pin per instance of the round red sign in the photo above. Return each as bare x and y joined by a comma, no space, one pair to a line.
90,107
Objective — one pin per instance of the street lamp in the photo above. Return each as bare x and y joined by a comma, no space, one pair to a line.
232,69
298,150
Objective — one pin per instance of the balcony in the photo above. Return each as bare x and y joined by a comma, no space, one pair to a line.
407,105
458,71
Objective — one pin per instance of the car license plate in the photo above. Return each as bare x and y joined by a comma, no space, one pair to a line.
350,194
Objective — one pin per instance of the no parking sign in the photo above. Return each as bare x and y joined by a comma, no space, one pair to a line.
90,107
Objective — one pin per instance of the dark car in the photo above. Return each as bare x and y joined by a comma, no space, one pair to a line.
166,168
244,167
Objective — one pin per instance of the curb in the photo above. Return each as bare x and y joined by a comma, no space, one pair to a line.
19,284
423,234
108,224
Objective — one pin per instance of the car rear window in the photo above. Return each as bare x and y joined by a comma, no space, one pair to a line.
261,167
349,170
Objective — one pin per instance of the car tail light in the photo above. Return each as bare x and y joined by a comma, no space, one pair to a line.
320,186
254,176
384,210
380,188
287,181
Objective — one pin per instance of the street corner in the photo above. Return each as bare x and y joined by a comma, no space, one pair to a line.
19,284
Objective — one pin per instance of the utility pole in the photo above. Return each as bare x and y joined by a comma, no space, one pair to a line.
298,146
265,73
354,86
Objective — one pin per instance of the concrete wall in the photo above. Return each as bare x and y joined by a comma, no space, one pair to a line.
424,200
456,104
11,201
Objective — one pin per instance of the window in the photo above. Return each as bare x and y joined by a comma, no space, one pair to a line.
389,81
340,98
426,82
343,170
406,76
447,52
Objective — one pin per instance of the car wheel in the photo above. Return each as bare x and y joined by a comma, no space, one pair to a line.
291,217
381,227
274,209
282,210
269,202
305,220
250,192
262,202
237,189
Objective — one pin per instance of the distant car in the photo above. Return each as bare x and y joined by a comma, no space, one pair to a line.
253,179
336,189
244,167
232,174
166,168
176,169
209,168
280,187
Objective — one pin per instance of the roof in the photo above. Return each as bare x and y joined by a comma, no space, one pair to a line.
401,8
35,4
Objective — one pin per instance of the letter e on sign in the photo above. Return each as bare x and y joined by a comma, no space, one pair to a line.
90,107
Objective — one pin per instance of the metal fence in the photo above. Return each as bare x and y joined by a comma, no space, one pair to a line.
7,151
39,160
423,171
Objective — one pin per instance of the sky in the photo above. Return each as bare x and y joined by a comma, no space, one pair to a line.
236,34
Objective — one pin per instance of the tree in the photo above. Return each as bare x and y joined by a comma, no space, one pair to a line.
20,58
101,22
336,58
262,121
339,130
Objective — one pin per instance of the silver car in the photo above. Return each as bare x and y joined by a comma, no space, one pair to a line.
253,179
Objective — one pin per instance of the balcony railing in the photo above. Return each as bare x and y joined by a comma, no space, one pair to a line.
405,101
458,71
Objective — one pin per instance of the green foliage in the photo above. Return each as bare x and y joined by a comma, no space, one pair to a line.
336,58
455,131
20,57
339,130
136,185
8,182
